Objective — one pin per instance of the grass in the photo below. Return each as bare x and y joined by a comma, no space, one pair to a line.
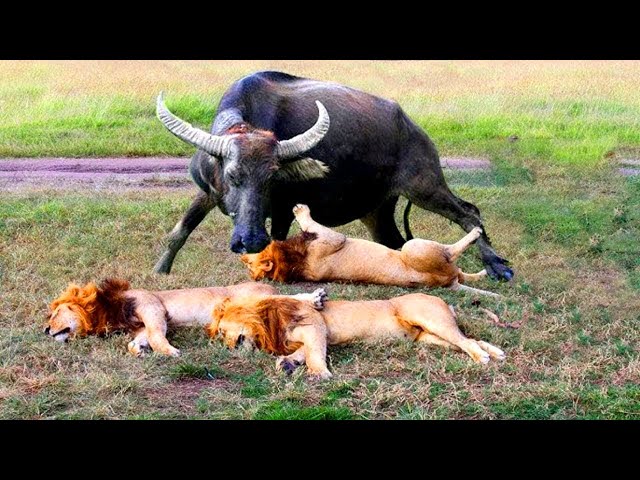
565,112
553,204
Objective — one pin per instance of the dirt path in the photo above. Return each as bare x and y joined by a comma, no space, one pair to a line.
124,173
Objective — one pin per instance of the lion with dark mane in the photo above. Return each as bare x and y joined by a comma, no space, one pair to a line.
113,306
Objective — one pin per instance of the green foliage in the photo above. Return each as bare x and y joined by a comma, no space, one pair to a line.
288,410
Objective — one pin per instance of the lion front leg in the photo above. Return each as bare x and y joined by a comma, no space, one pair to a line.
291,362
153,315
139,346
313,336
157,331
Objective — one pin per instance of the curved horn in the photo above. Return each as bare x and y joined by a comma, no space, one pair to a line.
296,146
212,144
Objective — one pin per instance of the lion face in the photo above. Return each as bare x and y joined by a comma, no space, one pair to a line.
65,322
236,334
260,265
228,324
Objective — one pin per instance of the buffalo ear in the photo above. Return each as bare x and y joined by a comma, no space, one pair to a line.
301,170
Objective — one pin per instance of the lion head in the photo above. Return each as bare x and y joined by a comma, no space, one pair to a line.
283,261
90,310
260,265
261,324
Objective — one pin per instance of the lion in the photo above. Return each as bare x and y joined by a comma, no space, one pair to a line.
299,334
113,306
321,254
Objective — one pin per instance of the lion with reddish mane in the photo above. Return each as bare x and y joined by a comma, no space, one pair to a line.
113,306
319,254
300,334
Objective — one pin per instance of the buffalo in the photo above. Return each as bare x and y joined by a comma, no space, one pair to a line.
278,140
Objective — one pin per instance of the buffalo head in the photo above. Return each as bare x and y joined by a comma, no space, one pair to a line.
246,160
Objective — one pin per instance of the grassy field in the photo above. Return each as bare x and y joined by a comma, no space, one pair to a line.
553,204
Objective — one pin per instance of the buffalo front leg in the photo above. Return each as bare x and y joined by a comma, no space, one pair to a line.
381,224
200,207
467,215
281,224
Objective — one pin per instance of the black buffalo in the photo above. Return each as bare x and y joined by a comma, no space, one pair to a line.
278,140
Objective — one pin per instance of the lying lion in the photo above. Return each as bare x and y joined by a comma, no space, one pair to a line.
321,254
300,334
112,306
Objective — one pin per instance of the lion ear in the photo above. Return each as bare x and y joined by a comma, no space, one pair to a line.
266,265
216,316
301,170
89,292
219,309
73,290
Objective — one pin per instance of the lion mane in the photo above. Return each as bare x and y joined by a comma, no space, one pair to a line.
289,257
101,309
269,319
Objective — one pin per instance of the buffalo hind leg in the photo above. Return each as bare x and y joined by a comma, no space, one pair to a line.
467,215
381,224
199,208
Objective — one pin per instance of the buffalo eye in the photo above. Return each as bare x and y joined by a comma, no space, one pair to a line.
234,178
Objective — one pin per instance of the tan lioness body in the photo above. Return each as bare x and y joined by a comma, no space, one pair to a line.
300,334
321,254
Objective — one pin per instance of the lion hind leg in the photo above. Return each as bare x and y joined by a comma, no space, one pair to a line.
458,286
457,341
492,350
437,320
456,249
427,337
473,277
427,256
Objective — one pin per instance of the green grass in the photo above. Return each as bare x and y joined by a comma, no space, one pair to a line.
566,113
293,411
553,204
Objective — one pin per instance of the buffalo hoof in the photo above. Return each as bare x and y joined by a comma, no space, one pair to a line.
497,269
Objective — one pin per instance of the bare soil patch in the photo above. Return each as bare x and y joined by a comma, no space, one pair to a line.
126,173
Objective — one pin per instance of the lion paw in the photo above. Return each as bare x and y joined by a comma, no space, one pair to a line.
319,298
287,365
173,352
322,375
301,209
483,358
137,349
